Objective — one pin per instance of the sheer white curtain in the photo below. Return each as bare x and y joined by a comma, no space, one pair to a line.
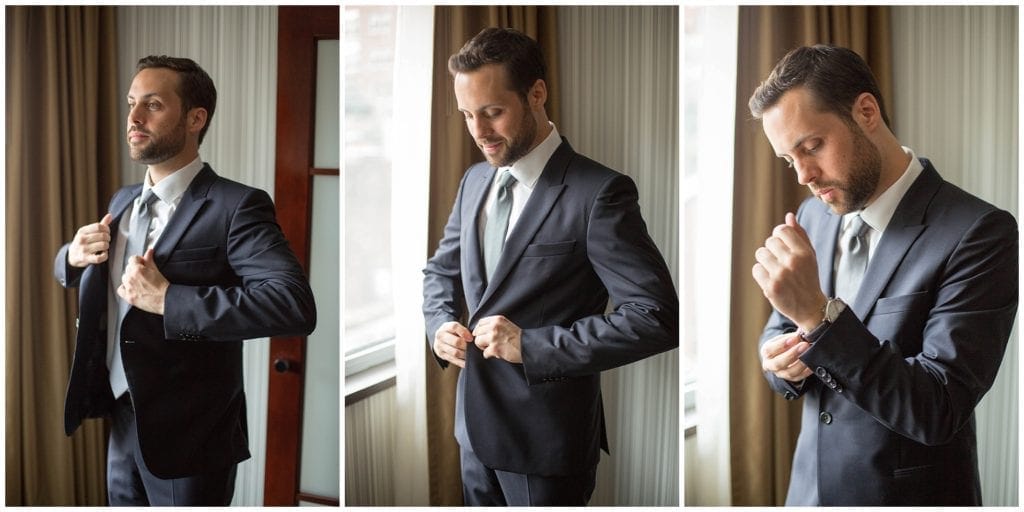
955,101
619,72
237,46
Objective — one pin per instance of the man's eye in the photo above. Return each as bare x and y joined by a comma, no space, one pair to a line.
814,147
153,106
789,163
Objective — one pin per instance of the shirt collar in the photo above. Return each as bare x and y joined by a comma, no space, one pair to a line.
170,189
880,211
527,170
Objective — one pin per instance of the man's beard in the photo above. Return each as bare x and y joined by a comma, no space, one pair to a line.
864,174
519,145
160,149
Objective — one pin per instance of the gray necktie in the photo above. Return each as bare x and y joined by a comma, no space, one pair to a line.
135,246
497,222
854,260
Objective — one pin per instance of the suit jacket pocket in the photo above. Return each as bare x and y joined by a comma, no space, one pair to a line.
900,303
194,254
549,249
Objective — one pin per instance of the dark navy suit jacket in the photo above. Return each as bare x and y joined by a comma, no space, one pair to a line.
579,243
888,417
233,277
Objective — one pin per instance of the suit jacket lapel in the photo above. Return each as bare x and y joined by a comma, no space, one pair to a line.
823,239
120,204
545,194
191,202
473,276
906,225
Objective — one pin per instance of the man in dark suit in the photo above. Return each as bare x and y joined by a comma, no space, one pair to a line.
183,268
539,241
894,293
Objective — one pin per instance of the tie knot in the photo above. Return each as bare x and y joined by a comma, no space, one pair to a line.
506,179
857,227
148,198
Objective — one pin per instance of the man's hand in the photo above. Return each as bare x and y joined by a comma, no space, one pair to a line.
787,272
498,337
91,244
450,343
780,356
142,285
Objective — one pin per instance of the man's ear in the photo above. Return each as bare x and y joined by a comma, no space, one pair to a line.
196,119
538,94
866,112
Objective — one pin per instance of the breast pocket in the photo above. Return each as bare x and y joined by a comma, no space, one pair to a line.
901,303
540,250
193,254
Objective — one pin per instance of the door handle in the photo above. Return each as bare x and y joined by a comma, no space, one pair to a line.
282,365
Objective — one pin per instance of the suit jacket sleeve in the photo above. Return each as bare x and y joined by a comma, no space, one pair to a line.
66,275
273,299
930,395
645,316
442,281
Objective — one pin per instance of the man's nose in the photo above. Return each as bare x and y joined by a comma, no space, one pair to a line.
135,115
479,128
806,171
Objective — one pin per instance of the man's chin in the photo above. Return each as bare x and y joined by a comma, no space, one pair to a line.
498,161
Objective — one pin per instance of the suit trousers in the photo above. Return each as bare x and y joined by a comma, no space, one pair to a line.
129,482
486,487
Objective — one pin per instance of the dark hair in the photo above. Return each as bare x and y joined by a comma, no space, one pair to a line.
517,52
195,87
834,76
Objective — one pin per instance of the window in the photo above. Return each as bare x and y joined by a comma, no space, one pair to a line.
709,110
369,302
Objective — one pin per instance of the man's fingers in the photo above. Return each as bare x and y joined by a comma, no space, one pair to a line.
148,258
797,228
786,355
458,330
106,220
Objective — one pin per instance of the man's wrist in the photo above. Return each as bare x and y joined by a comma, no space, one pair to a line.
808,323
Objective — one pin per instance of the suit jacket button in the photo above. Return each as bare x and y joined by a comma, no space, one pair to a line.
789,395
838,388
820,372
825,418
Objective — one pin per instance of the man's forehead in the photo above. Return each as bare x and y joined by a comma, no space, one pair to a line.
153,81
792,119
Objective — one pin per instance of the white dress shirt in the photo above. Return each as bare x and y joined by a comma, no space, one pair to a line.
168,192
526,171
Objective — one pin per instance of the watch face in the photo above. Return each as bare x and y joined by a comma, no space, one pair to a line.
832,309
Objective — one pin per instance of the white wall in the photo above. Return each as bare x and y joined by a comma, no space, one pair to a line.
237,46
955,101
620,75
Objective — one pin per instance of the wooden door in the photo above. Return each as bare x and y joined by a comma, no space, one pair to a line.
299,31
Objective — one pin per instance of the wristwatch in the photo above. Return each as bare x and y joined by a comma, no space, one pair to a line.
833,307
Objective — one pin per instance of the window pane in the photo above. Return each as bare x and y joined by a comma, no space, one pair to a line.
369,61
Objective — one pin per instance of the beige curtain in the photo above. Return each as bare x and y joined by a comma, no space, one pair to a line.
764,427
63,136
452,152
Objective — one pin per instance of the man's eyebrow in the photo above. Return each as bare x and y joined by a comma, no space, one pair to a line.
797,144
485,107
145,96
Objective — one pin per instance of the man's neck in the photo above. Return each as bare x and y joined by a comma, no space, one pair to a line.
158,172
